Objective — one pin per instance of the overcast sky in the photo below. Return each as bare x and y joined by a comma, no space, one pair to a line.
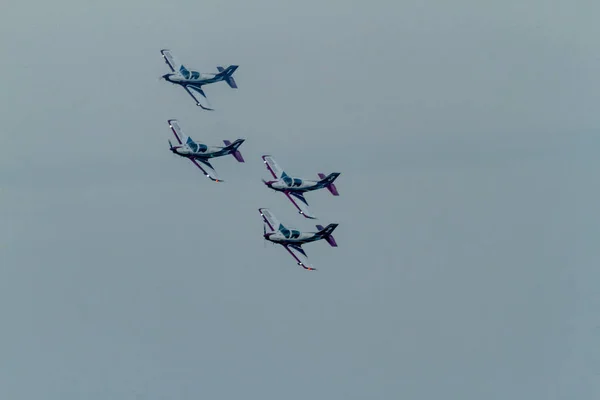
466,134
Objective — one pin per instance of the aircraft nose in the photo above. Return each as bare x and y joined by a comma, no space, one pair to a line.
166,76
176,149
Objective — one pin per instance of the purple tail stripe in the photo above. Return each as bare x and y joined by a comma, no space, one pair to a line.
331,187
329,238
331,241
238,156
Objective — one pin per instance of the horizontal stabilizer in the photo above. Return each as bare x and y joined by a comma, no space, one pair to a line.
238,156
326,233
235,153
227,73
329,184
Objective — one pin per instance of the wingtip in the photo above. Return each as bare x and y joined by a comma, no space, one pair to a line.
214,179
306,215
204,108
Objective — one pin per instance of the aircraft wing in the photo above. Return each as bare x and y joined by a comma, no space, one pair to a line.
269,218
300,202
174,125
171,60
198,95
208,169
298,253
272,166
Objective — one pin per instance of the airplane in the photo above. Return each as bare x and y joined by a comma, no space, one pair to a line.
199,154
192,81
294,188
293,239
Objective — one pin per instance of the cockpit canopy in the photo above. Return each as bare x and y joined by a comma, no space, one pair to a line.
289,234
293,182
195,147
188,74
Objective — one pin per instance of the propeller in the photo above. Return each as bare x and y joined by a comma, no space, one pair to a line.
171,146
264,236
268,183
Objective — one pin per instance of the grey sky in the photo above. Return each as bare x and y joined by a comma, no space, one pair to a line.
466,133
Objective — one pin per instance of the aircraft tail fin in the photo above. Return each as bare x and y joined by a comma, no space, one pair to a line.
226,74
327,181
233,148
325,233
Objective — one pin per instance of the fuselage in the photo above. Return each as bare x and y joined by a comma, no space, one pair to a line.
284,236
195,78
201,151
288,184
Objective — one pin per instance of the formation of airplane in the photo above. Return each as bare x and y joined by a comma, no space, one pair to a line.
292,239
192,81
200,154
294,188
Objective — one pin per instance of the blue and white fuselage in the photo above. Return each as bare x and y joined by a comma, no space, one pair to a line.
199,153
193,77
294,188
289,184
284,235
199,150
192,81
292,239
